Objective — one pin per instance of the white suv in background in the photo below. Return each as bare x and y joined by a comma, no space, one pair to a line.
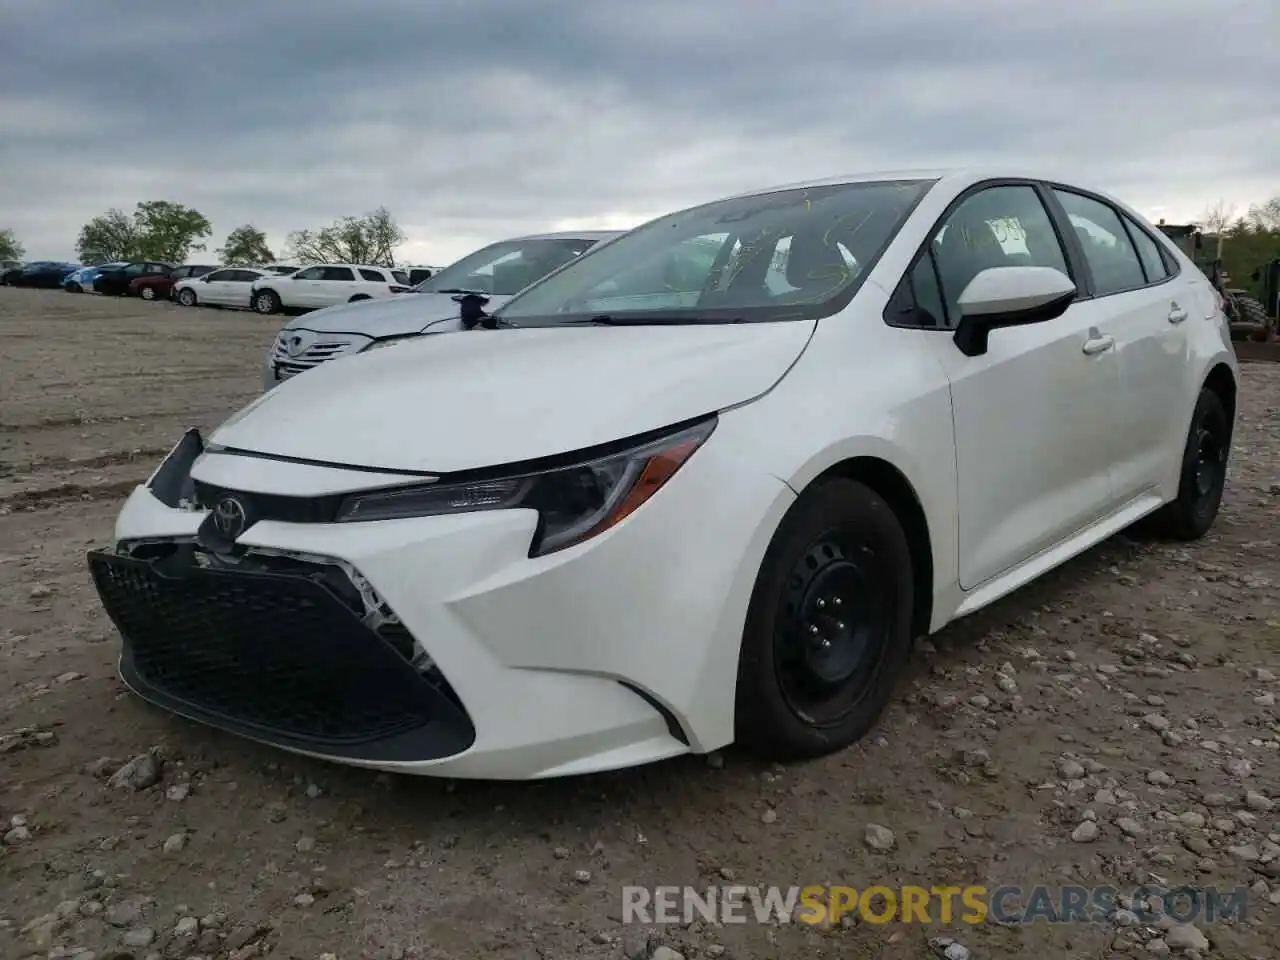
326,284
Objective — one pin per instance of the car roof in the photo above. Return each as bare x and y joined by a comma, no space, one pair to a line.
955,177
358,266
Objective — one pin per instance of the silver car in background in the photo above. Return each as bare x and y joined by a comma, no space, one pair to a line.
498,272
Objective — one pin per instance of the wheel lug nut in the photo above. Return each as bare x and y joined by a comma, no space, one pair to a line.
813,630
839,626
822,603
826,644
837,601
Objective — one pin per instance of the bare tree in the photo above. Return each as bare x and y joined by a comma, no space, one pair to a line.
370,239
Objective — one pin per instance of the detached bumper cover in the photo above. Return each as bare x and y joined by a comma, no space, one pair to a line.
277,657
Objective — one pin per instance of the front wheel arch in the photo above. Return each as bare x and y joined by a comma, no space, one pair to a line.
892,485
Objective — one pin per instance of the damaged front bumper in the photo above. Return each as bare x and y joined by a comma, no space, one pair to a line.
405,645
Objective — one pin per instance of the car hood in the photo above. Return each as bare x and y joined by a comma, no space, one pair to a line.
393,316
491,397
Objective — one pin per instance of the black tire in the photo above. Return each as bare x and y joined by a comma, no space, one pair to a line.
815,672
187,297
266,302
147,293
74,288
1252,311
1203,475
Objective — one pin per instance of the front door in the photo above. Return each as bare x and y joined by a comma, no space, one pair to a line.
1029,413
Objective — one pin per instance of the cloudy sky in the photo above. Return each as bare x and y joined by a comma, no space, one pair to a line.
478,119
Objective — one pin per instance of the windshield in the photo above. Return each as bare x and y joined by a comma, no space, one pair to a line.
786,255
504,268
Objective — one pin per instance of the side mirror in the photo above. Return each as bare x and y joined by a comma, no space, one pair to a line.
1009,297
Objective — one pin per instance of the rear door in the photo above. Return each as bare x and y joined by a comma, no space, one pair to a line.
238,287
1147,305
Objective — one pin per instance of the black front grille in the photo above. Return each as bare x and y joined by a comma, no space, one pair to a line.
273,506
273,655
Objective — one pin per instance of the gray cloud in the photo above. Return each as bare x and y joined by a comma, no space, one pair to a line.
473,121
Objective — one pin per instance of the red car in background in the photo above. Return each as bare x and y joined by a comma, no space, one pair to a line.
159,286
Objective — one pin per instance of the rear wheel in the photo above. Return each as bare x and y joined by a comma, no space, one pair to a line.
147,293
828,628
1203,476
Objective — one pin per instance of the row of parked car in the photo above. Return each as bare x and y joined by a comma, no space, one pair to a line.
341,308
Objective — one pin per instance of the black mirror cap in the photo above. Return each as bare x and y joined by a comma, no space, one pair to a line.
972,333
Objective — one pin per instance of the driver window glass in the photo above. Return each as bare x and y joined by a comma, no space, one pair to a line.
311,273
996,227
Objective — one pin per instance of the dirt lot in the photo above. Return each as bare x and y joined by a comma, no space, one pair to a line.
1135,688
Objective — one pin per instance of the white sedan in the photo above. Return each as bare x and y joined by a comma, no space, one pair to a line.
707,484
227,287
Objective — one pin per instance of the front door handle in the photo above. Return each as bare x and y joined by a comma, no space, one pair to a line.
1099,344
1176,313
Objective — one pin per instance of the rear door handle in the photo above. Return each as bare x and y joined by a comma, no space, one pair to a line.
1176,313
1099,344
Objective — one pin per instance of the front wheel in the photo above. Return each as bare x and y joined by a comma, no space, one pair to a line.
266,301
1203,475
828,627
187,297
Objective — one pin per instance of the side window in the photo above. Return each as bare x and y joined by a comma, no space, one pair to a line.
134,269
338,273
199,271
1111,257
373,276
996,227
311,273
400,277
219,276
1153,264
181,273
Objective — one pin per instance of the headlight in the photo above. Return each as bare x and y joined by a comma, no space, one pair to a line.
574,502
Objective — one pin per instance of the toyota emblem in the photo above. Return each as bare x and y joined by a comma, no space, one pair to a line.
229,517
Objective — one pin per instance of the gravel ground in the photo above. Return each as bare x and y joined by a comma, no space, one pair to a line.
1114,724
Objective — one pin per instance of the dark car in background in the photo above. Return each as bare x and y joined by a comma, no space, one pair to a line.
47,274
116,283
159,286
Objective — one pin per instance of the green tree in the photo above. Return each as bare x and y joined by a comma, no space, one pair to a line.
169,231
10,248
158,230
108,237
245,246
370,239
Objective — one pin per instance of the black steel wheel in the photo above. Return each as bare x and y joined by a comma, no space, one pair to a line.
1203,474
829,624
